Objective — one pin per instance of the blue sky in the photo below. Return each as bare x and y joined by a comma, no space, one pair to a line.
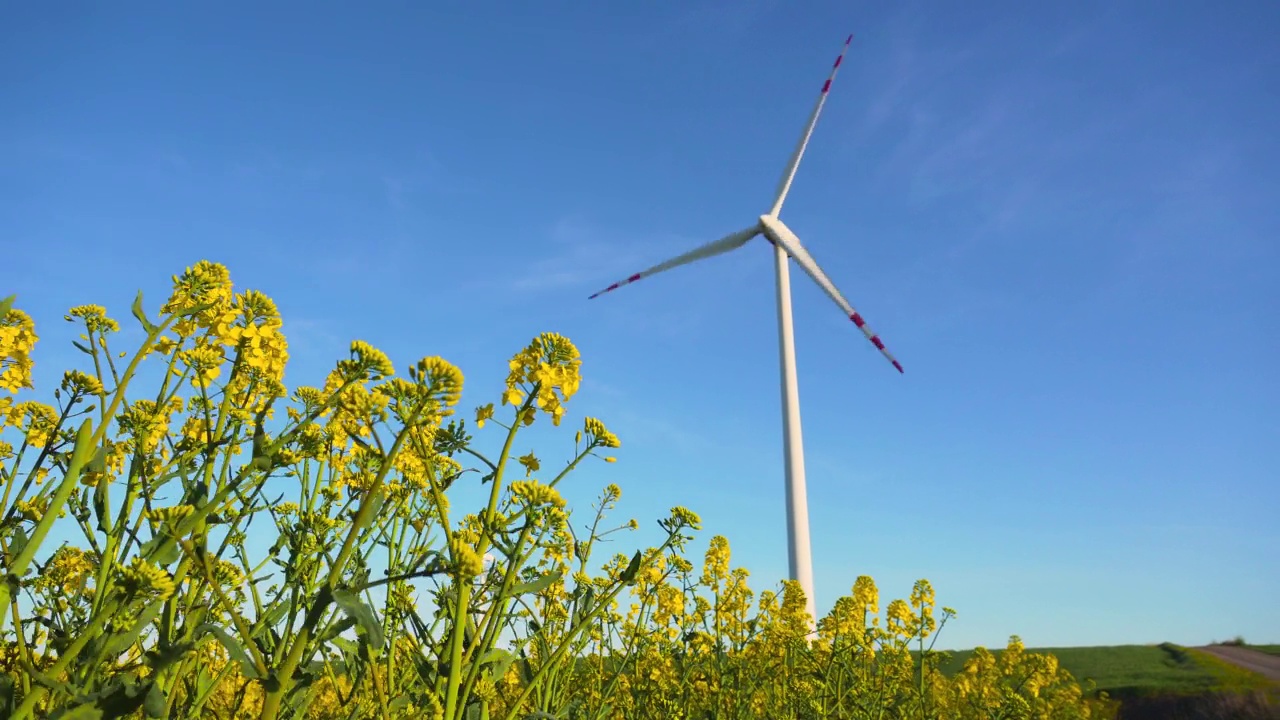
1063,220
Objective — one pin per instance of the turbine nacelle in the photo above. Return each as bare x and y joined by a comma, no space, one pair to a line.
777,232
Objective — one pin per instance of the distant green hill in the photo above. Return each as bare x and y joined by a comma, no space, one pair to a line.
1126,671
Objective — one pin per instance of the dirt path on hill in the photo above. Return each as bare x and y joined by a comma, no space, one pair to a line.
1266,665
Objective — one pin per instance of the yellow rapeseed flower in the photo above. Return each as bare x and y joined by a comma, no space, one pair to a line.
33,509
598,435
530,463
443,379
66,570
535,493
17,339
145,423
205,363
95,318
367,363
550,364
204,284
468,562
483,413
512,396
37,420
78,383
142,579
686,517
172,515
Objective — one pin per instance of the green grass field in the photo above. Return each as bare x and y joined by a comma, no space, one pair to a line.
1126,671
1268,649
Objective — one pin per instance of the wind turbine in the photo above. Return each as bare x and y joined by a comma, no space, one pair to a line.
785,244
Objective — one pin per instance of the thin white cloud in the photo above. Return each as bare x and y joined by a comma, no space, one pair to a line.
584,255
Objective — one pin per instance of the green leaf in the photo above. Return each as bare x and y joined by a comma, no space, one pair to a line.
629,575
82,348
101,506
349,648
356,609
301,697
376,500
8,695
82,712
6,305
582,608
233,647
538,585
158,552
161,658
98,463
337,629
501,660
123,641
141,314
270,618
17,541
156,703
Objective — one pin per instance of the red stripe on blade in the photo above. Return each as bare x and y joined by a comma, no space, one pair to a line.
899,366
857,320
875,340
634,278
838,59
826,86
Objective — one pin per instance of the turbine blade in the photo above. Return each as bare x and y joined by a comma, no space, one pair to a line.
792,166
775,230
711,249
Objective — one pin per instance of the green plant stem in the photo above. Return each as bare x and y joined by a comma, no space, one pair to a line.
79,457
284,674
451,705
77,646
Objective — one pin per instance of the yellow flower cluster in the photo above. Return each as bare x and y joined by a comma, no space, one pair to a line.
483,414
35,419
205,364
204,293
442,378
358,410
67,571
172,515
686,517
535,494
366,363
147,424
94,317
78,383
549,366
530,463
141,579
466,560
17,339
599,436
262,345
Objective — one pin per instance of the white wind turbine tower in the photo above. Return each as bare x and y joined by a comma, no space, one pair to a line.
785,244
